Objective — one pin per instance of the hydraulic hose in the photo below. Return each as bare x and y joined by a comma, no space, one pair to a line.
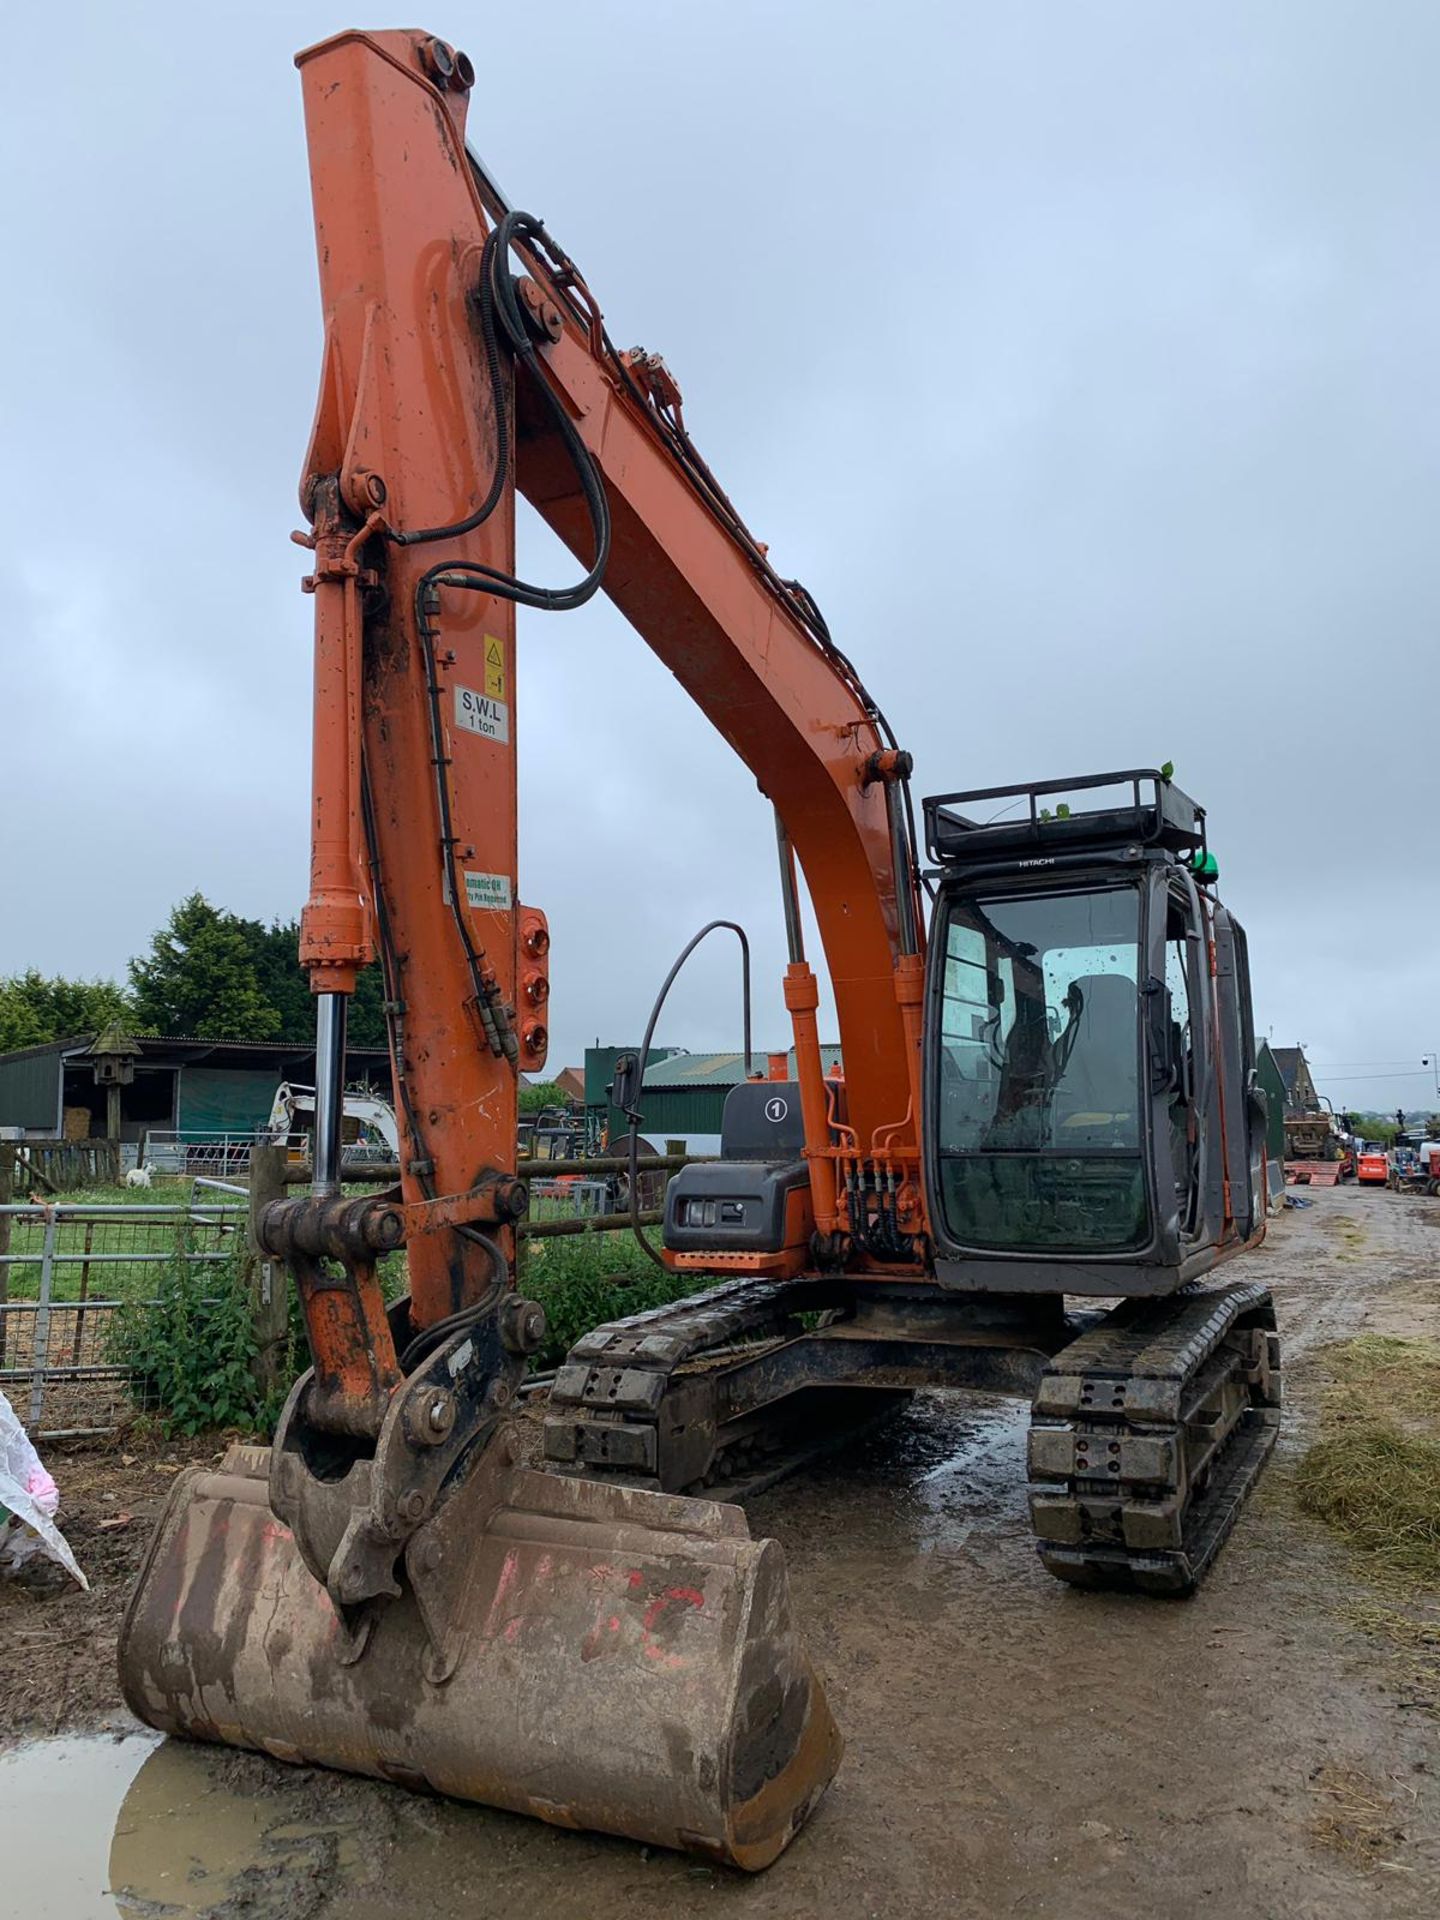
499,305
632,1111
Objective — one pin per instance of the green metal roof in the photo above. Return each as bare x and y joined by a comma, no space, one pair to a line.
720,1069
698,1069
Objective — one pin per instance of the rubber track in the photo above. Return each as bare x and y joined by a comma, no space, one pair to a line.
608,1394
1130,1378
660,1339
1120,1395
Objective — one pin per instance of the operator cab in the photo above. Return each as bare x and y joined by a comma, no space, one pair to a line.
1095,1121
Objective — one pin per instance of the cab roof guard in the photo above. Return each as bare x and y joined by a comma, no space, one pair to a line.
1156,813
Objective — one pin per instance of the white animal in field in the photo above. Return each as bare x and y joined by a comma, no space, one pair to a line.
138,1177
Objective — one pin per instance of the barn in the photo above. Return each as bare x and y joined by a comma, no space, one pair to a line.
179,1086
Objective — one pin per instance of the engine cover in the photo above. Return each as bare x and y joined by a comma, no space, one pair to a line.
756,1198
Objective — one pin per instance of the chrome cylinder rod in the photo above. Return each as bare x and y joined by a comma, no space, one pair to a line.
904,867
789,892
330,1012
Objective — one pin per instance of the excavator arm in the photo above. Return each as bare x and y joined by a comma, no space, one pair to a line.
505,1634
449,385
754,656
450,382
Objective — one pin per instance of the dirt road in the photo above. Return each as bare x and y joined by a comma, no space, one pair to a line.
1014,1747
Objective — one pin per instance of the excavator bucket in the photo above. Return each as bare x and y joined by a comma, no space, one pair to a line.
596,1656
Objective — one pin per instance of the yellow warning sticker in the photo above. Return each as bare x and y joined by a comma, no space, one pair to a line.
494,667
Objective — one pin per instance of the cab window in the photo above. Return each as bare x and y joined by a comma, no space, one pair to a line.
1039,1071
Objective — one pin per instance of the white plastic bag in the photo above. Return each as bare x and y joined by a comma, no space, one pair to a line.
33,1498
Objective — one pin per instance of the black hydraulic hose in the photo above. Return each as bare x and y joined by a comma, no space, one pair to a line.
439,1331
485,301
394,997
497,299
495,1016
816,622
632,1113
422,1165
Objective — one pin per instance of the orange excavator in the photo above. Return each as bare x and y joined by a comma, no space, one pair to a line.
1046,1133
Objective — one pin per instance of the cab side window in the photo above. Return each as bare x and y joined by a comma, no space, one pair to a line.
1183,953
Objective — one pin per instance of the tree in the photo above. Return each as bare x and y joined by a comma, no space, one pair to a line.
35,1009
367,1009
200,977
538,1094
275,955
275,952
207,972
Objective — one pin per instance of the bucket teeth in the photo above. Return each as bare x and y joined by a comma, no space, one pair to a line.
595,1656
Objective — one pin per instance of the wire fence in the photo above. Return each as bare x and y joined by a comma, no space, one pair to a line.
78,1279
67,1271
177,1154
565,1199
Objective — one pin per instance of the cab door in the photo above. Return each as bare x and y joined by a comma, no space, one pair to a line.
1178,1051
1246,1107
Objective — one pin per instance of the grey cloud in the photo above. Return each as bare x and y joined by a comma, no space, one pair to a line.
1081,358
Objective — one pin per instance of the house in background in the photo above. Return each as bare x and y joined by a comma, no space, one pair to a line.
683,1096
571,1082
1301,1095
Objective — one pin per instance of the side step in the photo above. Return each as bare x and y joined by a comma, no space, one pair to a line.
1150,1431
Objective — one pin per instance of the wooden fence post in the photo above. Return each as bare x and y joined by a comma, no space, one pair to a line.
268,1281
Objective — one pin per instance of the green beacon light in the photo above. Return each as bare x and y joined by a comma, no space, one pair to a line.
1206,867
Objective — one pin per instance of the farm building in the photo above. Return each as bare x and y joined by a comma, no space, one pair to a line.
684,1093
179,1086
571,1082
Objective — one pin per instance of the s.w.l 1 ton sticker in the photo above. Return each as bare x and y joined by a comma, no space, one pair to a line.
478,713
490,890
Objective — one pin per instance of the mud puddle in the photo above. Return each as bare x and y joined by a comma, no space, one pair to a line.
94,1827
938,1479
58,1804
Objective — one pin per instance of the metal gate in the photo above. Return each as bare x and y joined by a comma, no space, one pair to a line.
65,1273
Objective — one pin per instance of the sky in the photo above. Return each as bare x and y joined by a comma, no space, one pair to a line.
1083,358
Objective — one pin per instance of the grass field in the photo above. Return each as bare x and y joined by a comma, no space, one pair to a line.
1374,1472
1373,1475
